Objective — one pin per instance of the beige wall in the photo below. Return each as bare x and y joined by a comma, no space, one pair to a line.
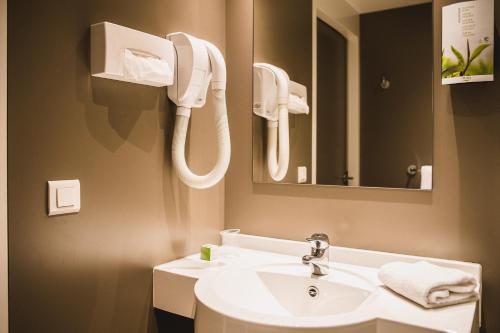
91,272
460,219
4,324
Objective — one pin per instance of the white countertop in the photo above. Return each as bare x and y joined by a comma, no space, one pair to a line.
173,282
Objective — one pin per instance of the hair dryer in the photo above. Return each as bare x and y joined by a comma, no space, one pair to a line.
271,90
197,63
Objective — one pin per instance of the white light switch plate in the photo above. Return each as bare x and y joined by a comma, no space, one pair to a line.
64,197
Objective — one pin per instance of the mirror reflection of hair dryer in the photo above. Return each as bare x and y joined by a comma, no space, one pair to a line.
274,97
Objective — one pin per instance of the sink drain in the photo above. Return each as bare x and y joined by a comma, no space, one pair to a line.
312,291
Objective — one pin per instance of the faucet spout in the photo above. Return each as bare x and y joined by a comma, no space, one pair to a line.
319,267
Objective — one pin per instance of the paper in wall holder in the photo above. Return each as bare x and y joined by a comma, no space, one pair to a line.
467,42
124,54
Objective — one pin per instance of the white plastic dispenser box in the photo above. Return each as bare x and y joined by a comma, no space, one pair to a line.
125,54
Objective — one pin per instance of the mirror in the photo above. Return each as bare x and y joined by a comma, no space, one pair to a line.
342,93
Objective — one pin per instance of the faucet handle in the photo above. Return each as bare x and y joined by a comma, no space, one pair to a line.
318,242
318,237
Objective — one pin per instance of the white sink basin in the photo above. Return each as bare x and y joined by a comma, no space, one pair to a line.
284,295
284,291
292,291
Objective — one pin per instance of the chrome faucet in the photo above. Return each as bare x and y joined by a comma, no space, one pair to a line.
319,258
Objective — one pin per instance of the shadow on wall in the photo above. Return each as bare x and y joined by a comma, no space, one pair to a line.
122,104
140,116
125,104
175,193
477,127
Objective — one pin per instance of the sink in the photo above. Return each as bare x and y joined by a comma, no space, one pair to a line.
290,290
283,295
304,295
262,286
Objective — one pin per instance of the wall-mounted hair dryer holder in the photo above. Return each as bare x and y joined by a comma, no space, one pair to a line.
186,64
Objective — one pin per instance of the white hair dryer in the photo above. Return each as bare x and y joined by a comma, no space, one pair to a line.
274,96
271,95
197,63
125,54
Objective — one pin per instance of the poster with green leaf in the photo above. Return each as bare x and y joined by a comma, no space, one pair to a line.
467,42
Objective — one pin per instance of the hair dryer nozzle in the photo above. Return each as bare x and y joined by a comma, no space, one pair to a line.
192,71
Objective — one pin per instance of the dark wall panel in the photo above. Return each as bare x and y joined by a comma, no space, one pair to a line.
396,123
331,117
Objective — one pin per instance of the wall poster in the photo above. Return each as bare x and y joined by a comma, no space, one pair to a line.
467,42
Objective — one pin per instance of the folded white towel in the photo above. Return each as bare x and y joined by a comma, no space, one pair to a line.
429,285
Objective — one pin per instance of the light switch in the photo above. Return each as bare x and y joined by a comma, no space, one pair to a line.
64,197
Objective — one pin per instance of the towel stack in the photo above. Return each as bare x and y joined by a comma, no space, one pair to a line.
429,285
